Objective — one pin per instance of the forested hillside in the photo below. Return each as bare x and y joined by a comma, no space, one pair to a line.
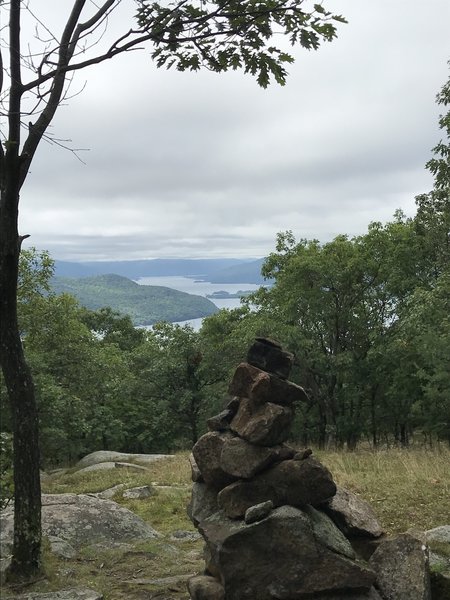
144,304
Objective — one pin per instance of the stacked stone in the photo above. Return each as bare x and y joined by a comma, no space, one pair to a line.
258,503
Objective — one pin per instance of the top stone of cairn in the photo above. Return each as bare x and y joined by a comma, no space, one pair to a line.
268,355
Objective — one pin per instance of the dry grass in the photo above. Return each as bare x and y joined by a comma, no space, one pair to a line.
406,488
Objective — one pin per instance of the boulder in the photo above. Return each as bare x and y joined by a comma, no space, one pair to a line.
204,587
264,425
401,565
207,452
292,482
353,516
268,355
250,382
110,456
83,520
244,460
281,557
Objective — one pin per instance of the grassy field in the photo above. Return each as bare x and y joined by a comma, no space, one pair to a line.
407,489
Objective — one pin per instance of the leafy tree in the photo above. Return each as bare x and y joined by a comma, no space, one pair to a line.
433,209
175,376
113,328
216,35
78,379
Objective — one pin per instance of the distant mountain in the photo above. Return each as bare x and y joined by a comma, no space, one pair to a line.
158,267
248,272
145,304
72,269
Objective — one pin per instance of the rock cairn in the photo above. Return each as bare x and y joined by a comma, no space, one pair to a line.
261,506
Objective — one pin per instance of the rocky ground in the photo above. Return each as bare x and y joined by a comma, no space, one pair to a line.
96,547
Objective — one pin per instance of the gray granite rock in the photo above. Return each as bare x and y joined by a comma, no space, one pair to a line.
241,459
139,493
353,515
268,355
83,520
102,456
279,557
292,482
266,424
257,385
203,503
207,452
258,512
401,565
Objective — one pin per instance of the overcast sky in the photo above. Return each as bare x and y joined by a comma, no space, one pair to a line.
205,165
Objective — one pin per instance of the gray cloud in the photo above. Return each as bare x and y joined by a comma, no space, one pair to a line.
185,164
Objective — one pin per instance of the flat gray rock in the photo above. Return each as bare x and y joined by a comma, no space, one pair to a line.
71,594
439,534
102,456
139,493
82,520
107,466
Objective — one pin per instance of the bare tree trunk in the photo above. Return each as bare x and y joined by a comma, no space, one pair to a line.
27,521
27,488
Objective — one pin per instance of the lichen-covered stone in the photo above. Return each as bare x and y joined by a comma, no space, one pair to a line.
401,565
264,425
278,557
244,460
353,515
207,452
258,512
292,482
250,382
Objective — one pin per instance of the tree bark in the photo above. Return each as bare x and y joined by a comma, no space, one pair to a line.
26,555
27,505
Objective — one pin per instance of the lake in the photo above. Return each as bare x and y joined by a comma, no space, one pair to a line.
201,288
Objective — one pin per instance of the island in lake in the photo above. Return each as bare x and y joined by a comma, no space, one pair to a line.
145,304
223,295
